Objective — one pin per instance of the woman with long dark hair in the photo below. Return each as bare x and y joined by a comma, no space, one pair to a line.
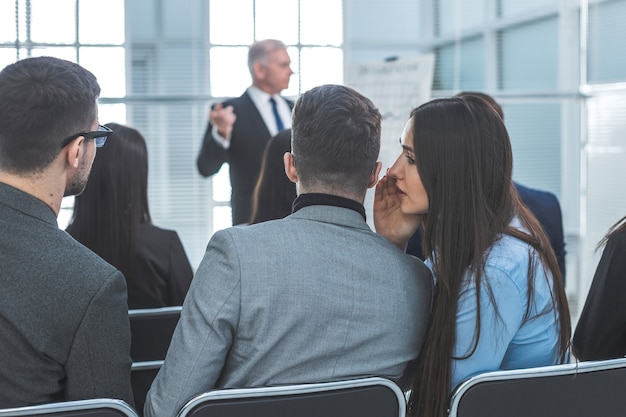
274,192
601,329
111,217
499,301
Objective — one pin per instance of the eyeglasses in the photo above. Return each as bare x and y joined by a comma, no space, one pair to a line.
99,135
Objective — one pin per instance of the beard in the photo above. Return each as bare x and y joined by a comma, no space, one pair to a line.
76,185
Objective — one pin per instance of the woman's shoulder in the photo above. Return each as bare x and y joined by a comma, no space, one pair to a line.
151,234
510,257
509,250
619,238
151,228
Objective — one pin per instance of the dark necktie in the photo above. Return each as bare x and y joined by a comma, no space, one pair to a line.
279,123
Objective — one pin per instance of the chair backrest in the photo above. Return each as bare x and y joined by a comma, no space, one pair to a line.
364,397
100,407
583,389
151,331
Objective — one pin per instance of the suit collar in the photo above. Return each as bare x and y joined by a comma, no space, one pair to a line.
332,215
255,119
258,96
25,203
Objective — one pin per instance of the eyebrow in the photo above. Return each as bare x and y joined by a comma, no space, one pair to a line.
405,147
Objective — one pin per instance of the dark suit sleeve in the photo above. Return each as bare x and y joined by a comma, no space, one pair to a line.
180,272
555,234
212,155
601,329
546,208
99,361
414,245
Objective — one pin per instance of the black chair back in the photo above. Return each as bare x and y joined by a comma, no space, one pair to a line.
366,397
594,388
151,332
100,407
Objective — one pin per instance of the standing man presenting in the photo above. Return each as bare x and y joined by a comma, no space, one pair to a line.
239,128
315,296
63,311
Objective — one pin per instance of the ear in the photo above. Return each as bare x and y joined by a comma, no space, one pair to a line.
259,70
74,152
374,175
290,168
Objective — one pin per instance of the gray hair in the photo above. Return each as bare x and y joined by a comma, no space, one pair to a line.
260,51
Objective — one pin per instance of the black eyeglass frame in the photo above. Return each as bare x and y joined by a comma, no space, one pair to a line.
99,135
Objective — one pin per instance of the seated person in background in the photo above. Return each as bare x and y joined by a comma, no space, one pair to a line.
500,301
274,192
111,217
601,330
542,204
63,315
546,208
315,296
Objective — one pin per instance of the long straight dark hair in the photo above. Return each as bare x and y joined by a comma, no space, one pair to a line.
619,226
274,192
115,201
465,162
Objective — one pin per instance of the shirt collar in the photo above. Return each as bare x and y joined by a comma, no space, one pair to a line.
312,199
258,96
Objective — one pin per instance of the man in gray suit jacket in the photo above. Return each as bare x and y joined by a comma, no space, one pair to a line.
316,296
63,312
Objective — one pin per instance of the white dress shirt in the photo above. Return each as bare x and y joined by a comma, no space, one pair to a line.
261,100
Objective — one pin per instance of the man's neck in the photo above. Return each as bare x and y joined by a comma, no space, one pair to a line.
265,89
339,193
37,185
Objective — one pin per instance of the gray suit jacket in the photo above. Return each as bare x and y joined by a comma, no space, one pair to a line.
63,312
316,296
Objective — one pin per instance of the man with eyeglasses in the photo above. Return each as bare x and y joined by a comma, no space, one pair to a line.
63,311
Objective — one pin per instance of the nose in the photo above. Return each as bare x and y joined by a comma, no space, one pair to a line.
394,170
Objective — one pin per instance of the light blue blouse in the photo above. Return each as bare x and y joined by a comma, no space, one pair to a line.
507,341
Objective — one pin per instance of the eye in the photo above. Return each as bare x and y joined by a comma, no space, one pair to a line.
409,156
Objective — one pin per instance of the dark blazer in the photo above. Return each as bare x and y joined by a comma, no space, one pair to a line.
162,270
248,140
63,313
544,205
601,330
546,208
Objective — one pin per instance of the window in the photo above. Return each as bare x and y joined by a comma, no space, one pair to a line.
64,29
604,150
537,56
460,66
453,16
518,53
606,59
161,75
528,56
184,59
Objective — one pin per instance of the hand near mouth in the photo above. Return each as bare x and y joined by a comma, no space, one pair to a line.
389,220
